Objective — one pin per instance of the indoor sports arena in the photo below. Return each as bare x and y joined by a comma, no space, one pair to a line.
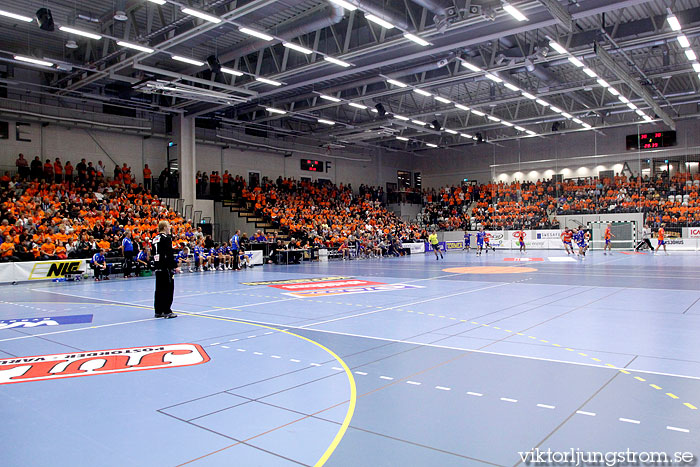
353,233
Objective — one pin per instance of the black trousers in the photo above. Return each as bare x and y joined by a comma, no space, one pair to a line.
234,256
128,262
165,288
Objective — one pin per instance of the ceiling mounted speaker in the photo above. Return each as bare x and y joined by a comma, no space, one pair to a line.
479,138
556,126
436,125
214,64
380,109
45,19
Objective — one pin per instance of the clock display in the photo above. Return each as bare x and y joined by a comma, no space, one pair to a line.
311,165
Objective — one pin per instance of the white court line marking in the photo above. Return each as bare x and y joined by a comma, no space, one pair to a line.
443,388
216,343
233,340
506,399
545,406
315,364
267,333
336,368
415,383
475,394
629,420
501,284
361,373
386,377
675,428
582,412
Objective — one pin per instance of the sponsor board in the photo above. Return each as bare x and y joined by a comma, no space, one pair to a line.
325,285
429,247
99,362
354,290
297,281
415,247
454,245
54,269
523,260
693,232
48,321
548,234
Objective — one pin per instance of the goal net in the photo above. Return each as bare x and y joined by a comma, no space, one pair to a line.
624,235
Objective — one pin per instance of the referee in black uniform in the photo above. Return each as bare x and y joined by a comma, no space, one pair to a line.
166,266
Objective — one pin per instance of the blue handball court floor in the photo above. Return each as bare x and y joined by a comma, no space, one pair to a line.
467,361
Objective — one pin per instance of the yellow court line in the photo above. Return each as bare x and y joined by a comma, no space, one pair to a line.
353,388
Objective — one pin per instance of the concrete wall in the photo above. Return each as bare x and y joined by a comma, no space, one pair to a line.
578,154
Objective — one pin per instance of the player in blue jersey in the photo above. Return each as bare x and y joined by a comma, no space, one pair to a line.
580,239
235,246
142,259
467,241
183,259
200,256
99,264
480,237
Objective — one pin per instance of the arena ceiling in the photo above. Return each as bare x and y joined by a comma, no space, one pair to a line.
445,73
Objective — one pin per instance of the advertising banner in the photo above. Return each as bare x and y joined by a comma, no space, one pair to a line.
415,247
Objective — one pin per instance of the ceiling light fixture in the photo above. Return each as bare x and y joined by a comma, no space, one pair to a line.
35,61
471,67
543,103
187,60
691,55
493,77
401,117
272,110
673,21
346,5
528,95
416,39
462,107
576,62
556,46
254,33
683,41
336,61
329,98
357,106
431,145
138,47
418,122
298,48
78,32
402,138
421,92
231,71
514,12
379,21
397,83
26,19
477,112
447,101
589,72
603,83
201,15
325,122
268,81
512,87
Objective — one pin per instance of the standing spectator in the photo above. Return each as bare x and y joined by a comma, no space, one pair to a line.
58,170
48,171
205,182
82,171
22,167
146,177
91,172
127,248
117,173
214,180
226,180
161,182
68,169
37,169
101,171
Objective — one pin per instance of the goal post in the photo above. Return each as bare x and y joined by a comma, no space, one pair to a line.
624,234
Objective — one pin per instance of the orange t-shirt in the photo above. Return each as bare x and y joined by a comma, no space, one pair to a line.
7,249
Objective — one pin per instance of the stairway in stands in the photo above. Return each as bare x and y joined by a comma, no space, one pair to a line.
245,210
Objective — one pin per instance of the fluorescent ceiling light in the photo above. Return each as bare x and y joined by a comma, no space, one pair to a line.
357,106
26,19
477,112
397,83
346,5
336,61
201,15
431,145
624,100
416,39
530,132
447,101
462,107
589,72
586,125
421,92
519,128
556,46
401,117
577,121
683,41
35,61
465,135
576,62
507,123
696,67
231,71
254,33
78,32
493,119
640,113
418,122
374,110
556,109
541,102
567,115
158,2
187,60
452,132
272,110
631,106
141,48
691,55
493,77
514,12
298,48
613,91
329,98
402,138
673,22
511,87
379,21
327,122
471,67
648,118
268,81
603,83
528,95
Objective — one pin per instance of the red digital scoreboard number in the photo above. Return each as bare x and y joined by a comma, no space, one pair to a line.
659,139
311,165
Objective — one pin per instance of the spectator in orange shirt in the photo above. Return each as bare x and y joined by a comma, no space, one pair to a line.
146,177
7,250
58,170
